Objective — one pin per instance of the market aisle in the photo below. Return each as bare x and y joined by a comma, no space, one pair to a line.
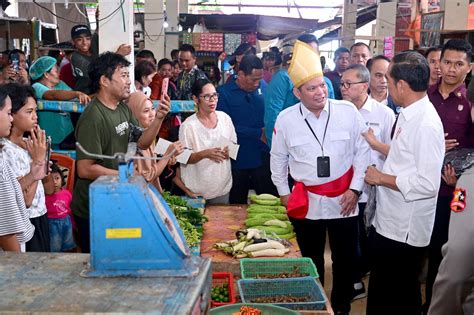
357,307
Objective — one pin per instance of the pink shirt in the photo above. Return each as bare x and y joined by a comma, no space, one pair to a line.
58,204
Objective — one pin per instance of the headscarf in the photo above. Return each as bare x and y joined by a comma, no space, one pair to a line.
136,102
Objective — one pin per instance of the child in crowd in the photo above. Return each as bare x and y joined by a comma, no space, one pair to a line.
21,154
59,213
15,226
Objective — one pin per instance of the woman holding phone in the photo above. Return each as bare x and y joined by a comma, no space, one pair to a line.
208,171
21,154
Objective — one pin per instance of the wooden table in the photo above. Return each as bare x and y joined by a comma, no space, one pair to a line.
223,222
46,283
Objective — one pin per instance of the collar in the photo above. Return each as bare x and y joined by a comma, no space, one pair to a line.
459,92
368,104
306,111
412,110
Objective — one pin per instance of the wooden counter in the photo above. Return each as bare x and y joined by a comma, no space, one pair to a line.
224,221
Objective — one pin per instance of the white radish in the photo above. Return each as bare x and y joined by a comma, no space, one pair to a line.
267,253
262,246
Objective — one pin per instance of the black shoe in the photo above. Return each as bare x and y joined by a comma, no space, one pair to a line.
359,291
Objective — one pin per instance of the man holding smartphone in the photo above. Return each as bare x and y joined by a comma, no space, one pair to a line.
17,70
320,142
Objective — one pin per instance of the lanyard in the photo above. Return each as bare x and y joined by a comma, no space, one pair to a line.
325,128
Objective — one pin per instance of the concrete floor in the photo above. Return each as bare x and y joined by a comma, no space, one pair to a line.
358,307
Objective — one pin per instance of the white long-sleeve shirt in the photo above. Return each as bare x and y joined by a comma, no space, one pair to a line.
380,119
294,146
415,158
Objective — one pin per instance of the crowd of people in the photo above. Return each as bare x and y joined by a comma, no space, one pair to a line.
355,153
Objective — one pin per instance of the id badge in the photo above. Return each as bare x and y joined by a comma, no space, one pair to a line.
323,166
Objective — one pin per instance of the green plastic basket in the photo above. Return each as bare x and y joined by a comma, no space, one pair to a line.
265,308
253,267
251,289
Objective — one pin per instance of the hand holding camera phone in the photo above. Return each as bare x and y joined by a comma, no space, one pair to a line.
15,62
48,154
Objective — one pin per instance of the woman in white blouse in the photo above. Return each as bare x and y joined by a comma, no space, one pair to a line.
208,171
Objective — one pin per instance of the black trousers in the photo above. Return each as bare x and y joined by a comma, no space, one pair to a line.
438,238
40,240
394,287
83,234
362,246
311,237
257,178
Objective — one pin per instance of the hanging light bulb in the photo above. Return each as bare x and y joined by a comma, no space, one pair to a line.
165,24
189,30
180,28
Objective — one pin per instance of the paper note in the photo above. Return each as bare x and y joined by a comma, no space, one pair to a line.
163,145
233,147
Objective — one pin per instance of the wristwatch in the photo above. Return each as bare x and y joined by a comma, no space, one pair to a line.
356,192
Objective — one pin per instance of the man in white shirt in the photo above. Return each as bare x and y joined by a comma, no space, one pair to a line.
378,87
379,118
320,141
407,188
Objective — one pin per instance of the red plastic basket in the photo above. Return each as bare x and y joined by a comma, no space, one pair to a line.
221,278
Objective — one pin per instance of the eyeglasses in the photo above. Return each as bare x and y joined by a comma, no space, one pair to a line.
347,85
210,97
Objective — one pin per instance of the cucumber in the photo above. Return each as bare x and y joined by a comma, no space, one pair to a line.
263,210
263,197
274,229
268,216
275,222
275,202
287,236
276,208
255,222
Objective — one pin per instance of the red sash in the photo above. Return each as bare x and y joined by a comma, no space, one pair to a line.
298,202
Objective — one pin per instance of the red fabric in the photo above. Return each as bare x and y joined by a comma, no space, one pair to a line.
65,75
155,87
298,202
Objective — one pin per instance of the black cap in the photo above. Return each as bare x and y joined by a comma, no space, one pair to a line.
243,49
78,30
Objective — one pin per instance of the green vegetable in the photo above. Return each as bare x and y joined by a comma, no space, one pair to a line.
267,216
275,222
275,208
263,210
263,197
287,236
275,229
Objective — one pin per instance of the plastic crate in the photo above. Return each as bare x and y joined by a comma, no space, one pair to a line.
308,286
266,309
221,278
251,267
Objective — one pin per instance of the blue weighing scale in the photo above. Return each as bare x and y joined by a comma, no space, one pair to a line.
133,230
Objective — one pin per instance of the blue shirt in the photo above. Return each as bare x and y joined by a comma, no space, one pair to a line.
279,96
246,111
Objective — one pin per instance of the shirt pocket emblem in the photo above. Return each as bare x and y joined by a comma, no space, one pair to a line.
460,107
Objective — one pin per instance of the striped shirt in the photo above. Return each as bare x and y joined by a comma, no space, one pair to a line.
19,161
13,214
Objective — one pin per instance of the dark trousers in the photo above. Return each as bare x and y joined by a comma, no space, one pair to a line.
394,287
311,237
40,240
438,238
362,246
257,178
83,234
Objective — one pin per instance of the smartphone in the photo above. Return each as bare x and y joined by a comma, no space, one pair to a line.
164,88
15,61
48,154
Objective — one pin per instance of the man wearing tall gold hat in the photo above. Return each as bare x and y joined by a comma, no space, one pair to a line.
320,142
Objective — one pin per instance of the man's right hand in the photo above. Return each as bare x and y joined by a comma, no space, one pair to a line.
284,200
450,143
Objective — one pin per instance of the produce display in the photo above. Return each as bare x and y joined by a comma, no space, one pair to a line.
220,293
190,219
294,274
252,243
281,299
267,214
248,310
